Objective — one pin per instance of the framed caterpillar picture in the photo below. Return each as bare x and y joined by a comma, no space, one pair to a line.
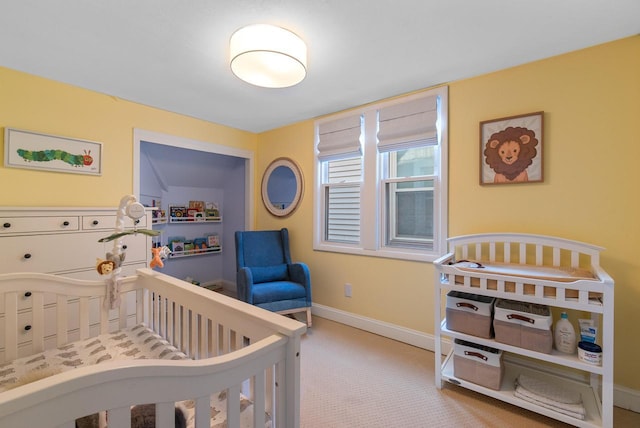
33,150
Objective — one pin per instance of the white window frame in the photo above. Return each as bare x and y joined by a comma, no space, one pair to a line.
373,216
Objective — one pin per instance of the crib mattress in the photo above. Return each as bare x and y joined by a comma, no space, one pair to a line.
136,342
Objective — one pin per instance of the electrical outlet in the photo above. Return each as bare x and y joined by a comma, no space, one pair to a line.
347,290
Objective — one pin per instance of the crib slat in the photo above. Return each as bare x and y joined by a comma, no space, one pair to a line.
185,330
139,306
165,417
10,326
162,317
120,417
203,412
122,313
204,333
193,336
84,318
258,399
280,396
104,316
37,309
233,407
62,322
171,324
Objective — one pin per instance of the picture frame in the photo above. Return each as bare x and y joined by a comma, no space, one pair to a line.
511,149
34,150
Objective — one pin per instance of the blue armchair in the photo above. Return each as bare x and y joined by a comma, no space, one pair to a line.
265,275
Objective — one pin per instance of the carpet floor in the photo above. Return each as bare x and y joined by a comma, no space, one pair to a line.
351,378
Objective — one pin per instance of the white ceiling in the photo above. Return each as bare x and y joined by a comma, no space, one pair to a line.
173,54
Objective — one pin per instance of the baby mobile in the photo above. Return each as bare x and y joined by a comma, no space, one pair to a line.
111,265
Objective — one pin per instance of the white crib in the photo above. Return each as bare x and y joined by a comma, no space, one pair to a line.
233,348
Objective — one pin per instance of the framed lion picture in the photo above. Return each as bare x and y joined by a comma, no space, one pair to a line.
511,149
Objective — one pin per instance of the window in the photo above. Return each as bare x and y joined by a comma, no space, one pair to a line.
381,179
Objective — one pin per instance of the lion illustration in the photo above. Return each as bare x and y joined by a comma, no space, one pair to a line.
510,152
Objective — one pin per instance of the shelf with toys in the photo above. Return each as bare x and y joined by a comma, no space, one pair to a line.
204,241
195,212
182,247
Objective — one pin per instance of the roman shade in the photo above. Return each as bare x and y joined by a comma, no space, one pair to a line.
340,138
408,125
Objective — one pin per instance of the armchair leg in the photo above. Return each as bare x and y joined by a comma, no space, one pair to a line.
308,317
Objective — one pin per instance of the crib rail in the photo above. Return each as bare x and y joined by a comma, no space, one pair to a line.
234,348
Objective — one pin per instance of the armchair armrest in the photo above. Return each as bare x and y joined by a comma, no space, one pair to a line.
244,284
299,272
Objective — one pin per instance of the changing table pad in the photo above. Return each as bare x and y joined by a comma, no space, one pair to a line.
550,273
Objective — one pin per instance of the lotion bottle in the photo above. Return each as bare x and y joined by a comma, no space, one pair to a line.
565,335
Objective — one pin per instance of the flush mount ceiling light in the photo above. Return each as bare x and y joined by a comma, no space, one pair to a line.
268,56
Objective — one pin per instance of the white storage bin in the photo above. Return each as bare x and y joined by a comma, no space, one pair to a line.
470,313
526,325
479,364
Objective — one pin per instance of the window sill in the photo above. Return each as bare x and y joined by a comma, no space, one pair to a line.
395,253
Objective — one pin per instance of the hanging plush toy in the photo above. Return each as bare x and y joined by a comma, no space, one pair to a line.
159,254
131,208
111,263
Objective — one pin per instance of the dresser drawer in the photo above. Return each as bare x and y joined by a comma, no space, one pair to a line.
12,225
64,252
108,222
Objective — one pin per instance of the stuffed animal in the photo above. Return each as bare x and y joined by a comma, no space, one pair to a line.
159,254
111,263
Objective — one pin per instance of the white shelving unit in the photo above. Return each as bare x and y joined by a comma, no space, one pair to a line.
190,221
595,383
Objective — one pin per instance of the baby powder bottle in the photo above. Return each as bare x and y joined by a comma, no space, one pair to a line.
565,335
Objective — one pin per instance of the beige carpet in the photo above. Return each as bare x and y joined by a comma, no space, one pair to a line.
351,378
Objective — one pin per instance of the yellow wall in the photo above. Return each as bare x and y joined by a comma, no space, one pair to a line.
591,100
41,105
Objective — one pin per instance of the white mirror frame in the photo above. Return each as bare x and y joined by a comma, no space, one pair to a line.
297,172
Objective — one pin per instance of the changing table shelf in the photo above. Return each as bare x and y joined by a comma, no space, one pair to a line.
512,370
593,295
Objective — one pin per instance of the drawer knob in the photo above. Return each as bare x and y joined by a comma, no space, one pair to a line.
27,327
66,223
7,225
27,294
95,222
27,256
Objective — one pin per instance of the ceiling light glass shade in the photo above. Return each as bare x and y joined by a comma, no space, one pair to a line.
268,56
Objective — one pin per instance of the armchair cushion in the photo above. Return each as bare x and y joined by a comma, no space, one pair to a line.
277,291
269,273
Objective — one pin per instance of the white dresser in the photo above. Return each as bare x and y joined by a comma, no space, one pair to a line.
63,241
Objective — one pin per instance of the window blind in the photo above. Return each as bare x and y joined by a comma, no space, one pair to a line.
408,125
340,138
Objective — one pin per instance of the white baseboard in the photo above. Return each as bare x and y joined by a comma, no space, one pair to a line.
623,397
626,398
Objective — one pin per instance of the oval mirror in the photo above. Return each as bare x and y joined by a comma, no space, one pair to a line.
282,187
